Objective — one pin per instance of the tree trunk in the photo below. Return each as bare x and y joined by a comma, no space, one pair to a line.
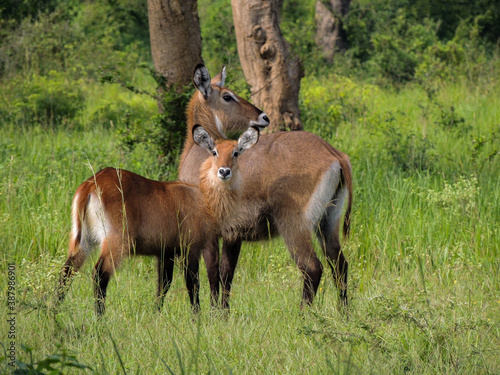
330,33
270,69
174,30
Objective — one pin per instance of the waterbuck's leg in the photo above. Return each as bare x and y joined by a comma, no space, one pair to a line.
211,258
230,254
102,275
106,264
329,238
165,275
73,263
192,277
299,243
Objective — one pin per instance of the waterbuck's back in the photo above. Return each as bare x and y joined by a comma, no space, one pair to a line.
284,176
151,214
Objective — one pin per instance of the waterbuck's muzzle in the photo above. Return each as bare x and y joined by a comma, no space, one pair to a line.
224,173
262,122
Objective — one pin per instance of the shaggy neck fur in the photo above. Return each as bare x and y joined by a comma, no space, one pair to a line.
220,198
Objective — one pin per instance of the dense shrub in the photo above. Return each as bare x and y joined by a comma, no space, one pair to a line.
334,101
219,39
74,39
416,39
485,14
19,10
37,46
161,134
46,100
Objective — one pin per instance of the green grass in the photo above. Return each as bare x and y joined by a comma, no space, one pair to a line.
423,252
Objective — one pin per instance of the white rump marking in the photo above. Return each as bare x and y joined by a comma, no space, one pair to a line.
339,204
74,216
323,194
95,225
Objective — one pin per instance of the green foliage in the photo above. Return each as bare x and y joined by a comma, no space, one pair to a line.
58,363
19,10
333,101
219,39
458,198
404,40
485,149
124,23
65,40
412,129
299,28
163,134
39,46
46,100
327,105
450,14
396,51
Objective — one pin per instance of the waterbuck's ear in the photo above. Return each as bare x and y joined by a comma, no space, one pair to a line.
220,79
248,139
201,79
202,138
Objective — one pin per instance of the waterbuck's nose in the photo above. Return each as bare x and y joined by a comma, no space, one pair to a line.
224,173
263,118
261,122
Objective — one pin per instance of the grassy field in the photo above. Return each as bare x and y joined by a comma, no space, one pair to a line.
423,252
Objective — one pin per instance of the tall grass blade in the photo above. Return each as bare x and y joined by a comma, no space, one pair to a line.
179,357
117,353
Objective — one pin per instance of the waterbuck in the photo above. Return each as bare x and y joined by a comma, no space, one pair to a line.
124,214
292,183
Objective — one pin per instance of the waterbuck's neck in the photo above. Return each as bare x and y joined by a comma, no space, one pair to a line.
199,113
220,197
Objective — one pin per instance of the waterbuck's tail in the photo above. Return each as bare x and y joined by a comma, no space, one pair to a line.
347,180
76,254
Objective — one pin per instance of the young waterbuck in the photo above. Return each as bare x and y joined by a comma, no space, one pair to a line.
125,214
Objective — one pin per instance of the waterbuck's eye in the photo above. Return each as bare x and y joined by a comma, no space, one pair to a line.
214,152
227,97
236,154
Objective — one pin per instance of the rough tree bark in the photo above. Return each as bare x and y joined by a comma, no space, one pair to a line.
330,33
271,71
174,32
175,36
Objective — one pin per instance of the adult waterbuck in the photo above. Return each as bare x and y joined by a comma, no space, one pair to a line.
292,184
221,112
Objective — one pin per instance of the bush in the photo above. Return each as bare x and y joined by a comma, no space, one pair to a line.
217,30
405,40
162,135
333,101
61,362
46,100
74,39
397,51
18,10
407,150
458,198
